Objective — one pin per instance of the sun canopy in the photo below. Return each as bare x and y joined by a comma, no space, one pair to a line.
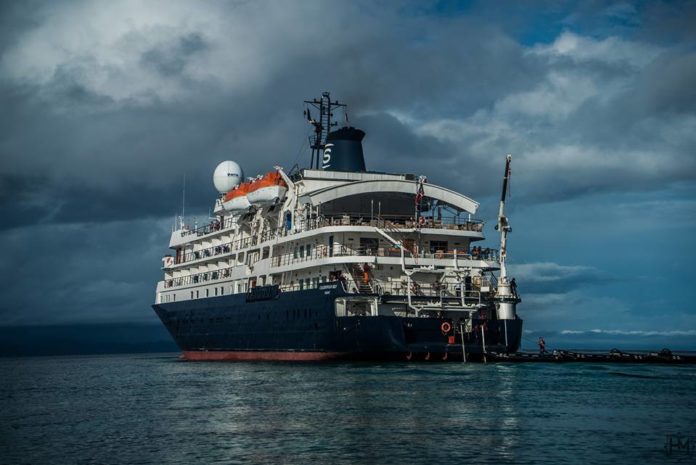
383,187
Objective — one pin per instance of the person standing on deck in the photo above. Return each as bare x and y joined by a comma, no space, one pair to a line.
542,345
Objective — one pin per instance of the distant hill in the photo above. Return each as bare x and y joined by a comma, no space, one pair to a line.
84,339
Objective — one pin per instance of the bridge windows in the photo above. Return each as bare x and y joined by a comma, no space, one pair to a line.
438,246
369,245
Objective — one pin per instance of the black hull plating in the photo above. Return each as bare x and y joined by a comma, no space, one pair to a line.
305,322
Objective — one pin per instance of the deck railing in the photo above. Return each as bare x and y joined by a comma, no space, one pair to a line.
309,253
472,291
389,223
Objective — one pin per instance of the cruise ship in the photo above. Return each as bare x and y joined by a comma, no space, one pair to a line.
337,262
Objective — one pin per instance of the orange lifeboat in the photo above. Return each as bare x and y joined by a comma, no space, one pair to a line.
267,190
236,199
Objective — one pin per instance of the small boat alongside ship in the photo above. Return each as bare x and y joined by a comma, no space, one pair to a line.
334,261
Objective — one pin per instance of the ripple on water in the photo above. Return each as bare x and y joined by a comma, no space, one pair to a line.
156,409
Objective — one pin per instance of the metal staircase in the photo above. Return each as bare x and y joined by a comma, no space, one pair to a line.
356,271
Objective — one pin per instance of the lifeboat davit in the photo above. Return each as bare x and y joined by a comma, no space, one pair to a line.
267,190
236,199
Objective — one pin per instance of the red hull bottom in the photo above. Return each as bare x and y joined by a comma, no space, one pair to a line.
223,355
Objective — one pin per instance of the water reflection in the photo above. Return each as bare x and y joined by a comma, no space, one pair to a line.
158,410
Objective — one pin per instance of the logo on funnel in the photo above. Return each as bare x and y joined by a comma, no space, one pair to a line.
326,161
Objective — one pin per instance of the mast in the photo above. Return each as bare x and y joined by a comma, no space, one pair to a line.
323,126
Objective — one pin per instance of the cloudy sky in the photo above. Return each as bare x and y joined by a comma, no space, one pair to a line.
107,106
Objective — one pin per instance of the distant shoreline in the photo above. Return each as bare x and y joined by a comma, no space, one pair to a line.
139,338
84,339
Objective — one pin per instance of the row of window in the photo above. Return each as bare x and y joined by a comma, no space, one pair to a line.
299,252
243,286
294,314
218,291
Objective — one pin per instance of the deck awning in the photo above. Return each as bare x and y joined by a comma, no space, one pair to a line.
446,196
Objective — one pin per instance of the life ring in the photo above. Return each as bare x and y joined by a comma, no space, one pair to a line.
445,327
421,221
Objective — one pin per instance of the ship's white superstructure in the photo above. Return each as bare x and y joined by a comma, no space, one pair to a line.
360,228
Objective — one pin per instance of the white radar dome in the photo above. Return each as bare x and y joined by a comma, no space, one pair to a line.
227,175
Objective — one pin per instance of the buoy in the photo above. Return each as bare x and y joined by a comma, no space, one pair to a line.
445,327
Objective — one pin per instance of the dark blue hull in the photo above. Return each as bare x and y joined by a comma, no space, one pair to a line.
302,325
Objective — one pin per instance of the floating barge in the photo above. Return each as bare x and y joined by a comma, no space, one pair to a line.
664,356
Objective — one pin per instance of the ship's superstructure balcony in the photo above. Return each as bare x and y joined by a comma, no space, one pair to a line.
450,225
216,227
306,254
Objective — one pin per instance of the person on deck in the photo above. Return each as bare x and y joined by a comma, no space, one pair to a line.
513,287
542,345
366,273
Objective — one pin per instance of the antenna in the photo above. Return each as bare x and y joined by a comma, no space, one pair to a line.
323,126
183,201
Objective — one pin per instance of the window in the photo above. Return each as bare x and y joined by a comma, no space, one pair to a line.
222,290
197,294
266,252
301,284
302,251
191,294
216,291
369,245
309,250
294,253
207,292
438,246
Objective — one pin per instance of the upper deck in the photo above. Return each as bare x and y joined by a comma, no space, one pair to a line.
318,199
452,226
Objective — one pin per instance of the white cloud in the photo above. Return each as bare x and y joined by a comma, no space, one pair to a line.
550,272
104,46
622,332
610,50
560,94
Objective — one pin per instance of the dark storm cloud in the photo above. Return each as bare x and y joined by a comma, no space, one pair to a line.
85,138
81,272
175,100
171,58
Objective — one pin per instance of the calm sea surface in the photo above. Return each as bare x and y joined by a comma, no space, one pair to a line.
154,409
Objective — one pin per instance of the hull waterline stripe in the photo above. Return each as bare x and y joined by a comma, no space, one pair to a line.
259,355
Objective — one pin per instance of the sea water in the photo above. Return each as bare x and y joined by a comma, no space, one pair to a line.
156,409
